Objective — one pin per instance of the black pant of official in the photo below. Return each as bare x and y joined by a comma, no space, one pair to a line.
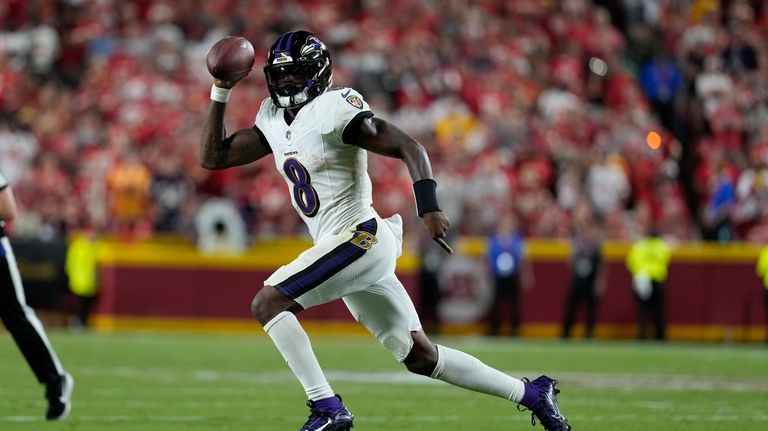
429,296
22,322
651,308
509,287
581,291
766,316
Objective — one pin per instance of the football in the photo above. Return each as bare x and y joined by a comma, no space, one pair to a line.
230,59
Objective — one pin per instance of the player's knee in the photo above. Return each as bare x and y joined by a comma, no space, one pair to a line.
422,359
269,302
421,362
262,308
257,309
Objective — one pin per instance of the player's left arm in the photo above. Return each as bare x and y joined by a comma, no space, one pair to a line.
384,138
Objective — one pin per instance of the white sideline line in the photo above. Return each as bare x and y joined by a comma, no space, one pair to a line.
671,382
589,380
112,418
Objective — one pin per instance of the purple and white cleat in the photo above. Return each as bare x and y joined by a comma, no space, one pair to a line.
328,414
542,402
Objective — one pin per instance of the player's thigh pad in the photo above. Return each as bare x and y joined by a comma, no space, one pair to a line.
388,312
339,264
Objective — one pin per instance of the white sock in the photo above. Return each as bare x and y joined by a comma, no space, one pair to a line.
466,371
292,342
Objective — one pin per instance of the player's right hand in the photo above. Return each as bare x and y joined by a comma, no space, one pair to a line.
224,84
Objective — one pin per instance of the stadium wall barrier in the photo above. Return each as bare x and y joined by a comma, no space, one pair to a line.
41,266
713,293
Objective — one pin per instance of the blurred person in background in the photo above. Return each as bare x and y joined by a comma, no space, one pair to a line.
431,261
607,184
511,272
759,232
82,266
129,183
717,217
22,322
751,194
762,272
648,262
172,193
662,81
587,279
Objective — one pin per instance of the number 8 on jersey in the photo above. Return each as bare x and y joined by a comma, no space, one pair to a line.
303,193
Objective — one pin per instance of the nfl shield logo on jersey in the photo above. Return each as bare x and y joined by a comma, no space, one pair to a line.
288,135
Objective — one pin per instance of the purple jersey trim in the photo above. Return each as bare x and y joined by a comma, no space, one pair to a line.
327,266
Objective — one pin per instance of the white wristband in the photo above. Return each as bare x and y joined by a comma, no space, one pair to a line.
219,94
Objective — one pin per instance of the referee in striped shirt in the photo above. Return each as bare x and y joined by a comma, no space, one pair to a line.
20,320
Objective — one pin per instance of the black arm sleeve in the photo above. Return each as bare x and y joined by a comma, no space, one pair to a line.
263,138
352,129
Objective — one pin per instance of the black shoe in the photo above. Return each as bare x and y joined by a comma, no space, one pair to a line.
59,395
545,408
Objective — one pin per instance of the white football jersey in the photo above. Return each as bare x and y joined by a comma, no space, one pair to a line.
327,179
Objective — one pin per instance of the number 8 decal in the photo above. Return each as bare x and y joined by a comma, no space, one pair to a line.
303,193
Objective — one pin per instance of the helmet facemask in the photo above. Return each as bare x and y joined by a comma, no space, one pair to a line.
293,84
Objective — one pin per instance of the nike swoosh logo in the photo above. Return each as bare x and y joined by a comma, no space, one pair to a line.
553,401
344,95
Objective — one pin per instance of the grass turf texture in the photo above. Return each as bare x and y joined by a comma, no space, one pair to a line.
174,381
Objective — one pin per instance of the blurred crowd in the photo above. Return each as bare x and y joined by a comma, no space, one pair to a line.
621,113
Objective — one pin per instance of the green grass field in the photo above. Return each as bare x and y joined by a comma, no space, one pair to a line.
164,381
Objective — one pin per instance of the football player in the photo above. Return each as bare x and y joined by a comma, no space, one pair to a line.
319,137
